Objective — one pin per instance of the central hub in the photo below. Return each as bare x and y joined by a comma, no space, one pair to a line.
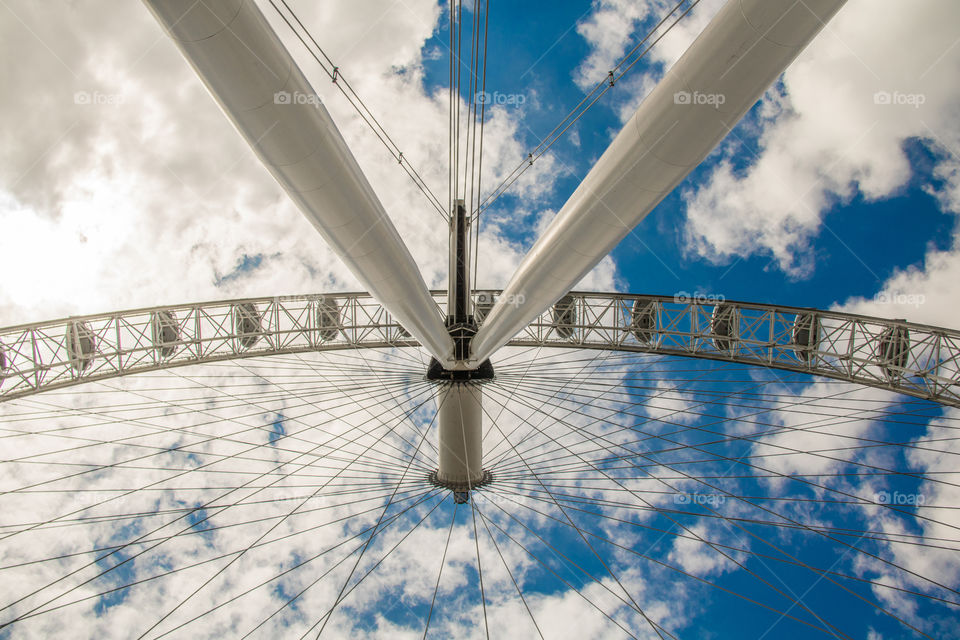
462,332
461,491
437,373
459,394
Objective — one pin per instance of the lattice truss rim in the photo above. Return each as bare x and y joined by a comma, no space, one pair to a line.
914,359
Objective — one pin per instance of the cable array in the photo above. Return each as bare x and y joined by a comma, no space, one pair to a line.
277,493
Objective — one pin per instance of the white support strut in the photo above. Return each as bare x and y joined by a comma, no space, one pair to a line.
716,81
259,86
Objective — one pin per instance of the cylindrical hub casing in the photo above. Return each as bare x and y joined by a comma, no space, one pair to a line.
461,418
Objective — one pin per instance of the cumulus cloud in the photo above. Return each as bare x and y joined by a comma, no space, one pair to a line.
615,27
924,294
834,128
123,185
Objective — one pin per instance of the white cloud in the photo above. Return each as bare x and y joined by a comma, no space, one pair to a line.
852,99
615,27
692,553
812,433
926,295
608,30
141,193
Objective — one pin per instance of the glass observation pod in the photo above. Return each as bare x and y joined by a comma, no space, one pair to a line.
246,324
724,326
893,349
328,319
565,316
805,336
81,345
483,306
643,320
166,333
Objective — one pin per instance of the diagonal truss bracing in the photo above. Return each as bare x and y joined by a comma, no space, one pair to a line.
917,360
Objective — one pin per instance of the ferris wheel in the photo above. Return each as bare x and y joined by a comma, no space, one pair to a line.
525,462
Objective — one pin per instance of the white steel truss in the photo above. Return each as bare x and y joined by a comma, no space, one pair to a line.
917,360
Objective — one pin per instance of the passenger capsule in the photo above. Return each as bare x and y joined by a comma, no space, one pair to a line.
3,364
81,345
246,324
565,316
893,350
805,337
643,320
724,326
166,333
328,319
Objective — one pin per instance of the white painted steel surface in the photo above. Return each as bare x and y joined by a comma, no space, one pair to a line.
259,86
723,73
460,419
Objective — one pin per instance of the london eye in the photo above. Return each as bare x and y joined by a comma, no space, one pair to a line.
531,461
